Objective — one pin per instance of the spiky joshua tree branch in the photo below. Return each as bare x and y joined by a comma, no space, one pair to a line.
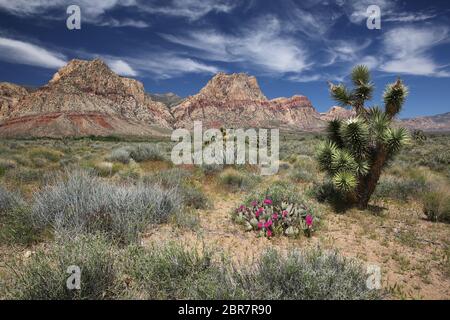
359,148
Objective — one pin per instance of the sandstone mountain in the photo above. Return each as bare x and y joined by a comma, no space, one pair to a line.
237,101
169,99
440,122
86,98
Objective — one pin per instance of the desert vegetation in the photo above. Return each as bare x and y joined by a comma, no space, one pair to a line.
143,228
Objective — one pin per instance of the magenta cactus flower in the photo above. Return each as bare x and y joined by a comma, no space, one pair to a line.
284,214
309,220
260,225
269,233
254,203
267,201
275,216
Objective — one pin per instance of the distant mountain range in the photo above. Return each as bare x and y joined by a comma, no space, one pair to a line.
87,98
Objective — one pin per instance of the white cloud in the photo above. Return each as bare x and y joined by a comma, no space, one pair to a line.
409,17
168,66
92,11
408,50
191,9
121,67
262,46
26,53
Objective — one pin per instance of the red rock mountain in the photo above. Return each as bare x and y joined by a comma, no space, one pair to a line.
86,98
236,100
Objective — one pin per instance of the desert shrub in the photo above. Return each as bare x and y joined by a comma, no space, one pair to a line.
6,164
238,179
436,205
194,197
106,169
174,272
45,153
44,275
144,152
170,178
211,169
301,275
9,200
301,174
187,218
82,203
401,188
120,155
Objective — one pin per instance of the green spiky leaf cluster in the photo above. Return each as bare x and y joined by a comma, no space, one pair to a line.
358,148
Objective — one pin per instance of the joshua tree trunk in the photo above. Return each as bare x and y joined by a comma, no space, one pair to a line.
368,183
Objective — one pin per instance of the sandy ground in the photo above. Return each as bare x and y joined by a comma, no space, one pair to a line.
408,249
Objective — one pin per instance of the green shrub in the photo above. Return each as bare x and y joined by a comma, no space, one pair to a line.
120,155
436,205
194,197
395,187
237,179
174,272
144,152
43,276
45,153
9,200
171,178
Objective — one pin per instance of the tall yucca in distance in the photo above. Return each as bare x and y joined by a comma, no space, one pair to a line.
359,148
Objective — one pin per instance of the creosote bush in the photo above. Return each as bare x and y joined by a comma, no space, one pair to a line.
82,203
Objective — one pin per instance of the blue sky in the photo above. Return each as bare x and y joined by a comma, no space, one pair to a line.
292,47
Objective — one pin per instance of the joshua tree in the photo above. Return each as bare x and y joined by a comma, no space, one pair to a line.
359,148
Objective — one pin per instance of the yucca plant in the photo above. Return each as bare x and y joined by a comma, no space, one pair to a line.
359,148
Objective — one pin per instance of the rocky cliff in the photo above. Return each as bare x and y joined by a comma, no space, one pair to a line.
236,100
86,98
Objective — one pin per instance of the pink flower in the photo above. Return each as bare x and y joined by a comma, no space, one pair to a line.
254,203
260,209
242,208
284,214
257,214
275,216
260,225
267,201
269,233
309,220
268,223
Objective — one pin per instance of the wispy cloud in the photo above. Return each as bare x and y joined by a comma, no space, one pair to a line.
30,54
190,9
93,12
261,45
121,67
408,50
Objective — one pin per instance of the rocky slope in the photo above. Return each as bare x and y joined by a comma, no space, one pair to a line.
440,122
237,101
169,99
10,94
86,98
